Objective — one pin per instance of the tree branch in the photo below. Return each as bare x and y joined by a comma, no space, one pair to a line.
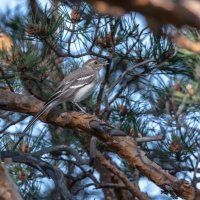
186,43
178,13
55,173
123,146
132,188
8,189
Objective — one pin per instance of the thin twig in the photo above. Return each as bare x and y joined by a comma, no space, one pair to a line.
72,151
150,138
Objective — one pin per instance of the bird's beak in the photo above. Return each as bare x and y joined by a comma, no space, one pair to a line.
104,63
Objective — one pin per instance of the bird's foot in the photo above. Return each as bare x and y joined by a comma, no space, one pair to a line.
80,108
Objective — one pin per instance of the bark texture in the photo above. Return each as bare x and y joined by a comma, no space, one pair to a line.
124,146
178,13
8,190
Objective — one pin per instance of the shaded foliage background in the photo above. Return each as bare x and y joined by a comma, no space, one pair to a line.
150,90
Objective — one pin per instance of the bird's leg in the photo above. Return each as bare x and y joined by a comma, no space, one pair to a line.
79,107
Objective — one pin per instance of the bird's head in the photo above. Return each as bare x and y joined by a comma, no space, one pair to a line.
94,64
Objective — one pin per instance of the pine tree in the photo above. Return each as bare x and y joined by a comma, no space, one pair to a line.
141,121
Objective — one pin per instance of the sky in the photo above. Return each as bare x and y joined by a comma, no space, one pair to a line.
19,4
6,3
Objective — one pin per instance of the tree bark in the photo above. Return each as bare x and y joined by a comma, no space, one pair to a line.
161,12
125,147
8,190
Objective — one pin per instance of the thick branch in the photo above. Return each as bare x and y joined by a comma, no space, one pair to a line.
56,174
132,188
123,146
186,43
8,190
161,11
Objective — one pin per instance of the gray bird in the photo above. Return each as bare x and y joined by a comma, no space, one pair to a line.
74,88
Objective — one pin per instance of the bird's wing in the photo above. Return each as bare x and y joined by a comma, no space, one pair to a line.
72,83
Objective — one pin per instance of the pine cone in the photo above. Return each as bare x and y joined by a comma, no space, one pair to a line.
22,176
176,87
75,16
175,146
24,148
123,110
190,90
103,42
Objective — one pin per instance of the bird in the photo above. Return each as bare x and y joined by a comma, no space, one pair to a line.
75,87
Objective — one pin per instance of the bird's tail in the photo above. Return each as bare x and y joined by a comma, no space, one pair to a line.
34,119
45,108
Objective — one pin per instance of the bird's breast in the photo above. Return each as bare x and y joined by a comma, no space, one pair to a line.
84,92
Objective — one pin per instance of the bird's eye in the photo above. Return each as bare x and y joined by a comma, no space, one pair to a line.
95,62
